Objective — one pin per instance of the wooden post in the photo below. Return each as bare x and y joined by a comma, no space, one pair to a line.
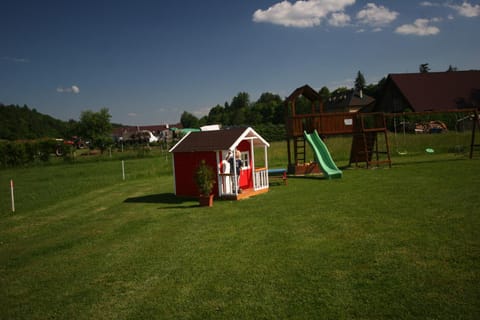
13,197
476,122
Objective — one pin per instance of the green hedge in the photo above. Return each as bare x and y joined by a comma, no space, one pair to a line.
24,153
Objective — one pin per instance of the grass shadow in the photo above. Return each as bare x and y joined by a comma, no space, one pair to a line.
164,198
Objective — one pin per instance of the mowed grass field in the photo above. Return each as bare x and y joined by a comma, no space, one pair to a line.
385,243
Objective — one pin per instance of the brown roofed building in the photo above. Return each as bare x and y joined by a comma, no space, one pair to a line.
431,91
350,101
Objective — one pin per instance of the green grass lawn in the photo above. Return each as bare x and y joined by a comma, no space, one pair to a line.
387,243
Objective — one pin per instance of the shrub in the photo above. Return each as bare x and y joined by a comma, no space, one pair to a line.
204,178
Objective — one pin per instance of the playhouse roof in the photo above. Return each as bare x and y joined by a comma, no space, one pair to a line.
225,139
306,91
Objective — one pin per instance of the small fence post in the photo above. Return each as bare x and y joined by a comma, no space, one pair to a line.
13,197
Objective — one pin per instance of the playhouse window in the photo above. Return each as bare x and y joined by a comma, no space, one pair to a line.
245,157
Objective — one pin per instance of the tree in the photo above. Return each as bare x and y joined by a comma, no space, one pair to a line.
188,120
359,81
265,109
256,113
18,122
451,69
324,93
237,109
340,91
96,127
238,117
424,68
374,90
268,97
241,100
216,115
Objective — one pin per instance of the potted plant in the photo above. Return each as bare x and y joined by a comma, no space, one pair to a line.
205,180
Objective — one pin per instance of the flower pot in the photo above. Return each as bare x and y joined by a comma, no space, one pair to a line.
205,201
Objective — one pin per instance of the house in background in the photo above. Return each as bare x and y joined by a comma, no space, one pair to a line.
214,146
162,133
431,91
349,101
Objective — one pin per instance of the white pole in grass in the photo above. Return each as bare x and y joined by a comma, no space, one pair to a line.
123,170
13,197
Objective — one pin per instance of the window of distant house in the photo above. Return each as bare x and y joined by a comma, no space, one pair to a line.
245,157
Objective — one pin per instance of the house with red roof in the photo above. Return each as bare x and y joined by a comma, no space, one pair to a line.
218,148
430,91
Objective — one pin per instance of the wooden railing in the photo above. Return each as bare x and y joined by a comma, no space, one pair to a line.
334,123
227,182
260,180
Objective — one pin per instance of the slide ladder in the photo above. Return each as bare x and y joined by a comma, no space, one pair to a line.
322,155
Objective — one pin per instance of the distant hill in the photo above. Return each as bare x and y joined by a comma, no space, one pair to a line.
24,123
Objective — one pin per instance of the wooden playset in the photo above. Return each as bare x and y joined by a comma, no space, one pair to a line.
364,127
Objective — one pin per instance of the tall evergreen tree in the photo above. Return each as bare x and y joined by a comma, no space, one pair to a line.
424,68
359,81
451,69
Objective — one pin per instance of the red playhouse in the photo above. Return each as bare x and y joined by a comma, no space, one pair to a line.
219,148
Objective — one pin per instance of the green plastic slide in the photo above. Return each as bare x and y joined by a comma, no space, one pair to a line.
322,156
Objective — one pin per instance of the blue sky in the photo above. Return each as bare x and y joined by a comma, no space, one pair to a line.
148,61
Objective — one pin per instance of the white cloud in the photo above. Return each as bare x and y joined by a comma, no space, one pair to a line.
73,89
466,9
15,59
339,19
420,27
132,114
301,14
376,16
428,4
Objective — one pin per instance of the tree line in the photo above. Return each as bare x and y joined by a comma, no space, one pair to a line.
22,123
267,114
27,136
269,108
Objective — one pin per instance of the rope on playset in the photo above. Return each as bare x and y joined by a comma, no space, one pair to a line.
404,150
